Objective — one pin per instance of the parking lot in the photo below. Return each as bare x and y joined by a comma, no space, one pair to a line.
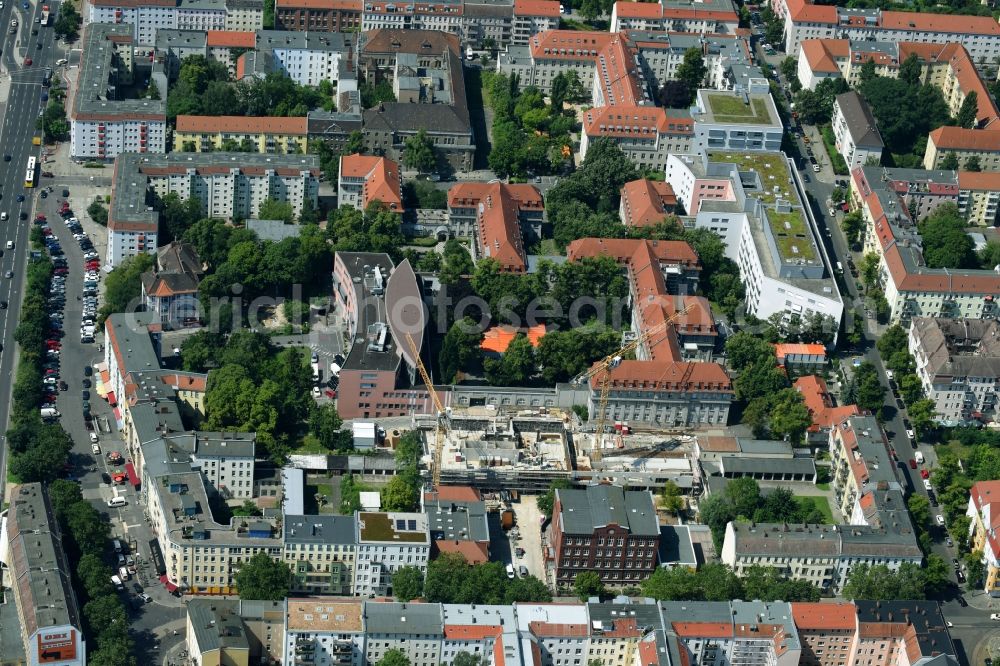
528,526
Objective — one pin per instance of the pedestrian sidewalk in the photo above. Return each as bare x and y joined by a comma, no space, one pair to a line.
982,601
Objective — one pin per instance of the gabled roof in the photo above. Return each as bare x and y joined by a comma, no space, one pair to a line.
498,338
822,54
860,121
817,399
646,202
548,8
381,176
500,230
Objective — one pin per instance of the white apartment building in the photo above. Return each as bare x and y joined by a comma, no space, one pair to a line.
474,630
443,16
102,128
227,461
200,15
677,16
958,362
386,543
980,35
770,637
416,629
321,551
244,15
753,202
911,288
325,631
532,17
737,120
201,555
308,57
147,17
561,631
857,137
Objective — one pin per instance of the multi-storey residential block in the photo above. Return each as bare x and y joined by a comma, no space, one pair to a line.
648,135
532,17
146,18
386,543
860,464
321,550
171,288
914,632
382,309
244,15
984,519
227,185
318,15
226,459
958,363
437,104
489,632
911,288
826,631
559,632
241,133
857,137
38,578
456,518
324,631
740,121
754,202
440,15
499,230
102,126
230,631
415,629
676,16
606,530
820,554
748,632
672,379
464,200
305,57
804,20
646,203
363,180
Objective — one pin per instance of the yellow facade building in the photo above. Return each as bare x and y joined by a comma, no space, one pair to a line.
249,134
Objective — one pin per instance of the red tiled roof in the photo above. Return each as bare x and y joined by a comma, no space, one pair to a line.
817,399
703,629
243,124
617,74
787,349
349,5
473,551
646,202
979,180
820,615
622,250
500,231
231,38
453,494
924,22
568,44
471,632
822,54
498,338
381,178
536,8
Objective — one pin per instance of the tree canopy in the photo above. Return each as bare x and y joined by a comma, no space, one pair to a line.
263,578
945,243
717,582
450,579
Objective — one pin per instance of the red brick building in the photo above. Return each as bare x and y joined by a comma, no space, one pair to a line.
607,530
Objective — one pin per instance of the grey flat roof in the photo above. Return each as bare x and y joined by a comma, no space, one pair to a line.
97,69
153,417
584,510
676,545
39,571
644,611
763,446
217,624
398,618
201,5
228,444
372,312
270,40
168,38
320,529
464,521
131,336
741,464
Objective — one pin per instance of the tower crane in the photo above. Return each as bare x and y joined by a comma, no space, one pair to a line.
602,370
442,424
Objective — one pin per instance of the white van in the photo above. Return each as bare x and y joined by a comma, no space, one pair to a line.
117,501
118,583
335,369
919,457
49,412
123,573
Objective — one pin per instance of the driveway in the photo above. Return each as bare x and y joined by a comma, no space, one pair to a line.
528,520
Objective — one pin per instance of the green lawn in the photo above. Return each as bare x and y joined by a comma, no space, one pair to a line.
731,109
823,486
821,503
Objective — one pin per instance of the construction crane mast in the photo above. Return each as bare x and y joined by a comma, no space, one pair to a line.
441,425
603,369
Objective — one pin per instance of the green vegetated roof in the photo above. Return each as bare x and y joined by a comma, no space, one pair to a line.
378,527
789,229
727,108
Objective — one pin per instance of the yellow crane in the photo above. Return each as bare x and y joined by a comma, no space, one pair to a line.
604,367
442,416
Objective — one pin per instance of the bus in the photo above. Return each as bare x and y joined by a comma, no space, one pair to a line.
29,176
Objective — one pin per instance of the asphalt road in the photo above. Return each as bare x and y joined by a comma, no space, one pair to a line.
19,117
